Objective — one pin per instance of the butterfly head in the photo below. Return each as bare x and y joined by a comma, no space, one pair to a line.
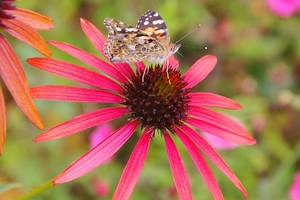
174,48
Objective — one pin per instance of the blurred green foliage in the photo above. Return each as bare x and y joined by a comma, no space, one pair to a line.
258,65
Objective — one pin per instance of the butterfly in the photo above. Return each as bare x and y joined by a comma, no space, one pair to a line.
148,41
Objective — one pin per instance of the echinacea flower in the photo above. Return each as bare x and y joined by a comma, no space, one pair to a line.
157,104
284,8
21,24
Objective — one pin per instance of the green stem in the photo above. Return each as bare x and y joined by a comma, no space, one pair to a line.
36,190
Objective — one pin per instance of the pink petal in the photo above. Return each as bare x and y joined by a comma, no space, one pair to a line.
96,156
180,177
214,100
199,70
33,19
202,165
27,34
91,60
13,75
133,167
204,146
81,122
100,134
74,94
2,122
219,125
74,72
98,40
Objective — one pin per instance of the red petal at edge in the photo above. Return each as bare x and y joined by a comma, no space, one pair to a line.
204,146
133,167
202,165
99,154
14,77
33,19
180,177
27,34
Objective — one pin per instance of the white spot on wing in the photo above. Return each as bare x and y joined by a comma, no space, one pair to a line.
160,21
146,23
130,29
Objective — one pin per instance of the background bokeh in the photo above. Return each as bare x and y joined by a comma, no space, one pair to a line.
258,65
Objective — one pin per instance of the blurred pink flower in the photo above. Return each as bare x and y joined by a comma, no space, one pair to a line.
159,103
99,134
218,142
294,191
284,8
101,188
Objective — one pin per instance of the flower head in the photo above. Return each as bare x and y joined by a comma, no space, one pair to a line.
158,104
21,24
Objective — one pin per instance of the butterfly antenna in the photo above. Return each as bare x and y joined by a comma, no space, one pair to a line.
188,33
179,54
203,48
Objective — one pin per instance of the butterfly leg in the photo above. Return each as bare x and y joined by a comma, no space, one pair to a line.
144,72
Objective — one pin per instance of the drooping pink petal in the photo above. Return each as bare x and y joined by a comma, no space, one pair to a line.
74,72
27,34
81,122
199,70
218,143
180,177
202,165
203,145
14,77
33,19
219,125
74,94
91,60
98,40
2,122
96,156
214,100
133,167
